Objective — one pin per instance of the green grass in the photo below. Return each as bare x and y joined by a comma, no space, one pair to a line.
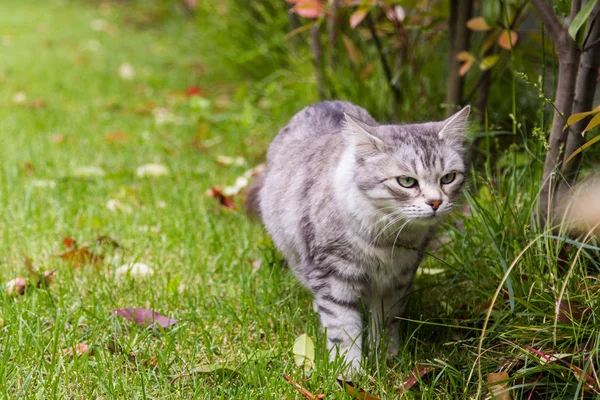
230,314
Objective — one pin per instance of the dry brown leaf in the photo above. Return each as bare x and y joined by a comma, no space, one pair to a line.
416,374
569,311
28,168
498,383
307,395
116,137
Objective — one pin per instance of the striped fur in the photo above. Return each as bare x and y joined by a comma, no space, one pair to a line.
331,201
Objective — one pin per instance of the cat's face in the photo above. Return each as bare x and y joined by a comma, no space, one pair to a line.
411,172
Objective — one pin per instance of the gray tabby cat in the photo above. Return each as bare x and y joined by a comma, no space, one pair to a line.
352,205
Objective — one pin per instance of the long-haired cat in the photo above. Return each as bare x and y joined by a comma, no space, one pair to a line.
352,205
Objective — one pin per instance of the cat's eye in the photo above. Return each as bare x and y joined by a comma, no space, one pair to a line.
448,178
407,182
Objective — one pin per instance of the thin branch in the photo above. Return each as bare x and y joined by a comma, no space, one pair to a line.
592,21
549,19
384,62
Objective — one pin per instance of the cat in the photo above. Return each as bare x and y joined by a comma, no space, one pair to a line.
352,205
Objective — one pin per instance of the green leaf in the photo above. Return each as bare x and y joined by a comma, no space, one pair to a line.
574,118
304,352
488,62
490,10
593,123
581,17
582,148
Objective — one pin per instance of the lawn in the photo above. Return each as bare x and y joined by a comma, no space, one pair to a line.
93,94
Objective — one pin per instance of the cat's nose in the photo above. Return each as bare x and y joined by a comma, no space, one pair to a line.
435,204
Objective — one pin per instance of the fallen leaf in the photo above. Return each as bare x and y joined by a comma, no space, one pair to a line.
116,137
69,243
304,392
37,103
498,385
126,71
16,286
304,352
569,311
419,371
217,193
194,91
103,239
151,170
145,317
136,270
78,350
355,392
80,257
28,168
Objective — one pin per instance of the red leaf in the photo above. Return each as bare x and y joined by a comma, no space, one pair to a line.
194,91
79,257
145,317
419,371
69,243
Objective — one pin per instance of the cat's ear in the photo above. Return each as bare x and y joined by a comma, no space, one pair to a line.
455,126
364,141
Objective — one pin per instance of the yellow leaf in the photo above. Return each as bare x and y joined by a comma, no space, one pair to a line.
488,62
499,385
478,24
585,146
593,123
465,56
574,118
